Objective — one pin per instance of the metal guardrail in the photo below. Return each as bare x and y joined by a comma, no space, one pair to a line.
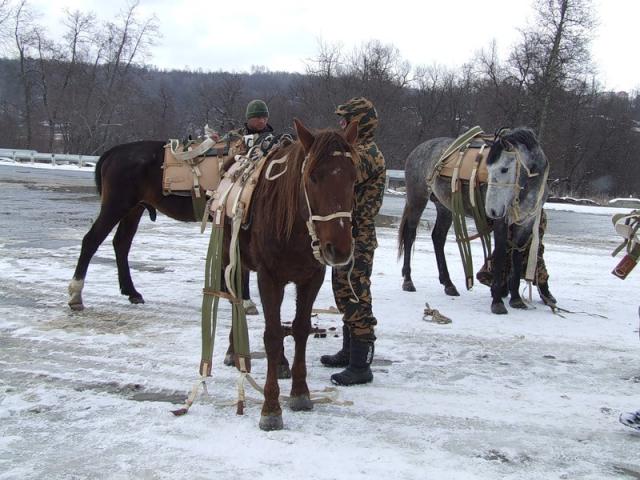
34,156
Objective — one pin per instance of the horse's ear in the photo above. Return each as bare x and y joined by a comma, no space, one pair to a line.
304,135
351,133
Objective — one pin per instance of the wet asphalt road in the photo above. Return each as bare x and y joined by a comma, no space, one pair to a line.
36,204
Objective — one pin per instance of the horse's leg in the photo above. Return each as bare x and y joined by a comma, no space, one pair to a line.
520,237
107,219
305,296
122,245
248,305
271,293
499,265
514,280
444,219
408,227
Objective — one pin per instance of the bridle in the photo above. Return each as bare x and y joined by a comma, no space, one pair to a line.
515,212
315,242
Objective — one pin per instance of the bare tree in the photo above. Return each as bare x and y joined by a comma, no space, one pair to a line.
553,54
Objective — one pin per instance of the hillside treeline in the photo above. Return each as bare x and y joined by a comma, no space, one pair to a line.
94,89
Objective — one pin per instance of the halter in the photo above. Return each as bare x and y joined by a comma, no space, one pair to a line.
515,212
315,242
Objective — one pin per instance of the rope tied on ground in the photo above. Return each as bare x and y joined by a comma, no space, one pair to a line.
436,316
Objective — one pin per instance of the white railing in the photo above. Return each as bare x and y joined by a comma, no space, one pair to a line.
34,156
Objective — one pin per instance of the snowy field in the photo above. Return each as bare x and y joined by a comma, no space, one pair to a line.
86,395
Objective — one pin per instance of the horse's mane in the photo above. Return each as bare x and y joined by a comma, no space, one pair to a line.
279,200
518,136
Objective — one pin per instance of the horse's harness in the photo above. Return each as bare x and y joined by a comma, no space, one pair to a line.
315,242
515,212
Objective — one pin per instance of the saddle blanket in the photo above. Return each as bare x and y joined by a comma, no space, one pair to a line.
468,163
201,171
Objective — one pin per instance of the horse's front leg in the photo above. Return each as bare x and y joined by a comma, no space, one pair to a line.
520,235
306,295
514,280
271,293
499,264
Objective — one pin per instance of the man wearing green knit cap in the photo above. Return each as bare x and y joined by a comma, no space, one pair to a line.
257,118
257,122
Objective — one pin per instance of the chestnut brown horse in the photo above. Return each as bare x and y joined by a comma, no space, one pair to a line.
129,180
314,195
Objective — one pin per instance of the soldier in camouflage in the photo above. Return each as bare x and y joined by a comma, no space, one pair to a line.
359,322
257,123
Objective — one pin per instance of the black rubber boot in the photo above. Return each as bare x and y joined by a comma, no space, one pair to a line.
359,369
340,359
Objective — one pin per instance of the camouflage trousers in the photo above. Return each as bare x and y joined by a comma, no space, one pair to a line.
356,313
485,275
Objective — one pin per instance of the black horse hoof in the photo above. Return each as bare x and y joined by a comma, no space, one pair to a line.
451,290
271,422
408,286
301,403
518,303
136,299
284,371
498,308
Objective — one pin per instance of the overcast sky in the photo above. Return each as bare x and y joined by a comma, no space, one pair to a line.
283,34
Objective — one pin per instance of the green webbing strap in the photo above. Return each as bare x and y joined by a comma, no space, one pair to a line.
210,299
199,204
482,226
239,319
462,236
462,140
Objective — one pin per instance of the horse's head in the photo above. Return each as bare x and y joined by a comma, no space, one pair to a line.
515,165
328,180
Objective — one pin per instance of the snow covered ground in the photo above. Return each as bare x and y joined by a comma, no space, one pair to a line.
84,395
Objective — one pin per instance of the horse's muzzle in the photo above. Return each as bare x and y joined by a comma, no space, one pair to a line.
334,256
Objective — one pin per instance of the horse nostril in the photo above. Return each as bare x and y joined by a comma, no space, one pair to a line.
330,250
493,212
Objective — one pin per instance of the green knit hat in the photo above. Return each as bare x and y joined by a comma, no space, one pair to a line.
257,108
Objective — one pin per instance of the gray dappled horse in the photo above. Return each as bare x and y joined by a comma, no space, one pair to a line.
516,189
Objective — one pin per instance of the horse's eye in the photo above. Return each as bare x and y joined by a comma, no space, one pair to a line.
504,169
313,178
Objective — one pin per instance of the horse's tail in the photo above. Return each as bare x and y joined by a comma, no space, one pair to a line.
151,210
402,230
98,174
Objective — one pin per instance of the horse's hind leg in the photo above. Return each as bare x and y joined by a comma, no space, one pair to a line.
306,294
444,219
408,228
107,219
122,245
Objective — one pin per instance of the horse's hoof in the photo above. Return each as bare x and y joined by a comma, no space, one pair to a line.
408,286
451,290
300,403
229,361
284,371
76,307
249,307
136,299
271,422
498,308
518,303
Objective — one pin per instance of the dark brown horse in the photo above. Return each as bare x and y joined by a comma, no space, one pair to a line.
129,180
318,186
